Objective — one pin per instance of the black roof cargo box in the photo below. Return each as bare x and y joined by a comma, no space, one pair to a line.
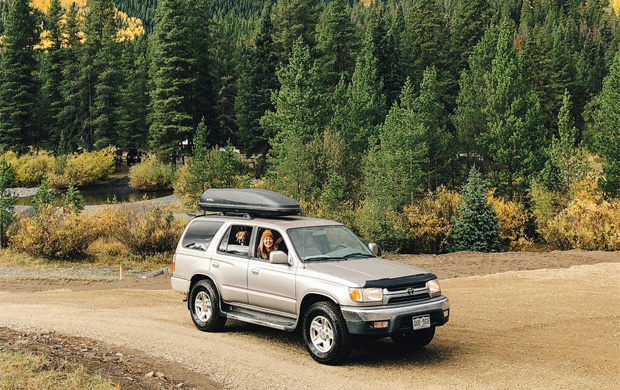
260,203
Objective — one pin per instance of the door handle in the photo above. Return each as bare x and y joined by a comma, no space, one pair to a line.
215,265
255,271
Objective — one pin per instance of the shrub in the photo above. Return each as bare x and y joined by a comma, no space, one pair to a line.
210,168
30,168
88,168
7,201
53,235
430,221
589,222
513,219
151,174
375,223
145,229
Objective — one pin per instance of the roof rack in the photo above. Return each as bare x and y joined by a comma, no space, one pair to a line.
227,214
248,201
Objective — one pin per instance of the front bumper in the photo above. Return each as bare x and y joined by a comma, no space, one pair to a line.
360,319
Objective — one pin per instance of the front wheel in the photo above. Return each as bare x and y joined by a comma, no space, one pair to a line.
205,307
325,333
416,340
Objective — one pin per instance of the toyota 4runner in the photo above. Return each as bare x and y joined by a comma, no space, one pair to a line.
319,277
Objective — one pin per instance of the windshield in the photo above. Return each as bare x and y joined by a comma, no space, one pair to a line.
327,243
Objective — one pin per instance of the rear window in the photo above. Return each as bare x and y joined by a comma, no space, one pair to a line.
200,233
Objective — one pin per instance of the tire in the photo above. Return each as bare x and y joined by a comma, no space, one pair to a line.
205,307
416,340
325,333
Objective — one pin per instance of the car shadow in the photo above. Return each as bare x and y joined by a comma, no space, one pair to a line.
376,353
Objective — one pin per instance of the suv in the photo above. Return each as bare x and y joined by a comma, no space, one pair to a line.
319,277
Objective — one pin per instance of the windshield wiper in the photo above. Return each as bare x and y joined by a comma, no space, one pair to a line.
318,258
349,256
361,255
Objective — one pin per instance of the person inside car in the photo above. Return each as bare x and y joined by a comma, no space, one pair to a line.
267,245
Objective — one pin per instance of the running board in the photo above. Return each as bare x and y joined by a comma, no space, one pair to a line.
259,318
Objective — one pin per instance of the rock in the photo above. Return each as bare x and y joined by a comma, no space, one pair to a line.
150,374
180,385
83,349
89,355
119,354
160,375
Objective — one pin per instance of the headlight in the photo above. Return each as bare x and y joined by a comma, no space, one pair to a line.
364,295
433,288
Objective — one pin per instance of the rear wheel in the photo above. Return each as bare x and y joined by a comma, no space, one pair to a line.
416,340
325,333
205,307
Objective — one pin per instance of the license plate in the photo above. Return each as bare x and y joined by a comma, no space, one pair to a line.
421,322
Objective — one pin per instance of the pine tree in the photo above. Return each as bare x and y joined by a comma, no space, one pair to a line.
441,149
102,72
388,56
471,21
297,105
542,75
295,122
170,115
567,163
360,108
477,227
514,144
72,199
7,201
393,170
293,19
75,108
134,98
423,40
336,43
607,130
202,99
43,198
51,75
469,120
19,86
257,83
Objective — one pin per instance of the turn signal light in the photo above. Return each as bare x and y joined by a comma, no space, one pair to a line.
174,260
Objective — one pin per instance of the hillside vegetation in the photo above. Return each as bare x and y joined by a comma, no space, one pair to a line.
372,113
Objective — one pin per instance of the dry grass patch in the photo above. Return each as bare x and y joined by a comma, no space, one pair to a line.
19,370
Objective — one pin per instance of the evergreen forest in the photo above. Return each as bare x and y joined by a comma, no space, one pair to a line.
343,104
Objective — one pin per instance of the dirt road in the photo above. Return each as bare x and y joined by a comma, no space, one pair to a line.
536,329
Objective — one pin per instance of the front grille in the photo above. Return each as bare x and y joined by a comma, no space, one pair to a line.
400,288
408,298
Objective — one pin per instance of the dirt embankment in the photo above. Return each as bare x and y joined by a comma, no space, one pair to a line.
555,325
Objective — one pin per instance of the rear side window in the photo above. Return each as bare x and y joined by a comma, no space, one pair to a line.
236,241
200,233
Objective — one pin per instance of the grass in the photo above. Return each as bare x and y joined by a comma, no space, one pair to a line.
101,254
20,370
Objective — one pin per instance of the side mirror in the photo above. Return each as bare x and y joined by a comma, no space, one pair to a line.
278,257
374,248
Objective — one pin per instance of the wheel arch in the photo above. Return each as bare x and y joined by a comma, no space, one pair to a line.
195,279
310,299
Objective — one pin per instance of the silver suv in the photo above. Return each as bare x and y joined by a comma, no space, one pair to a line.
318,276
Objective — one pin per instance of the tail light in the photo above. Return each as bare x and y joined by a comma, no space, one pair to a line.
174,260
